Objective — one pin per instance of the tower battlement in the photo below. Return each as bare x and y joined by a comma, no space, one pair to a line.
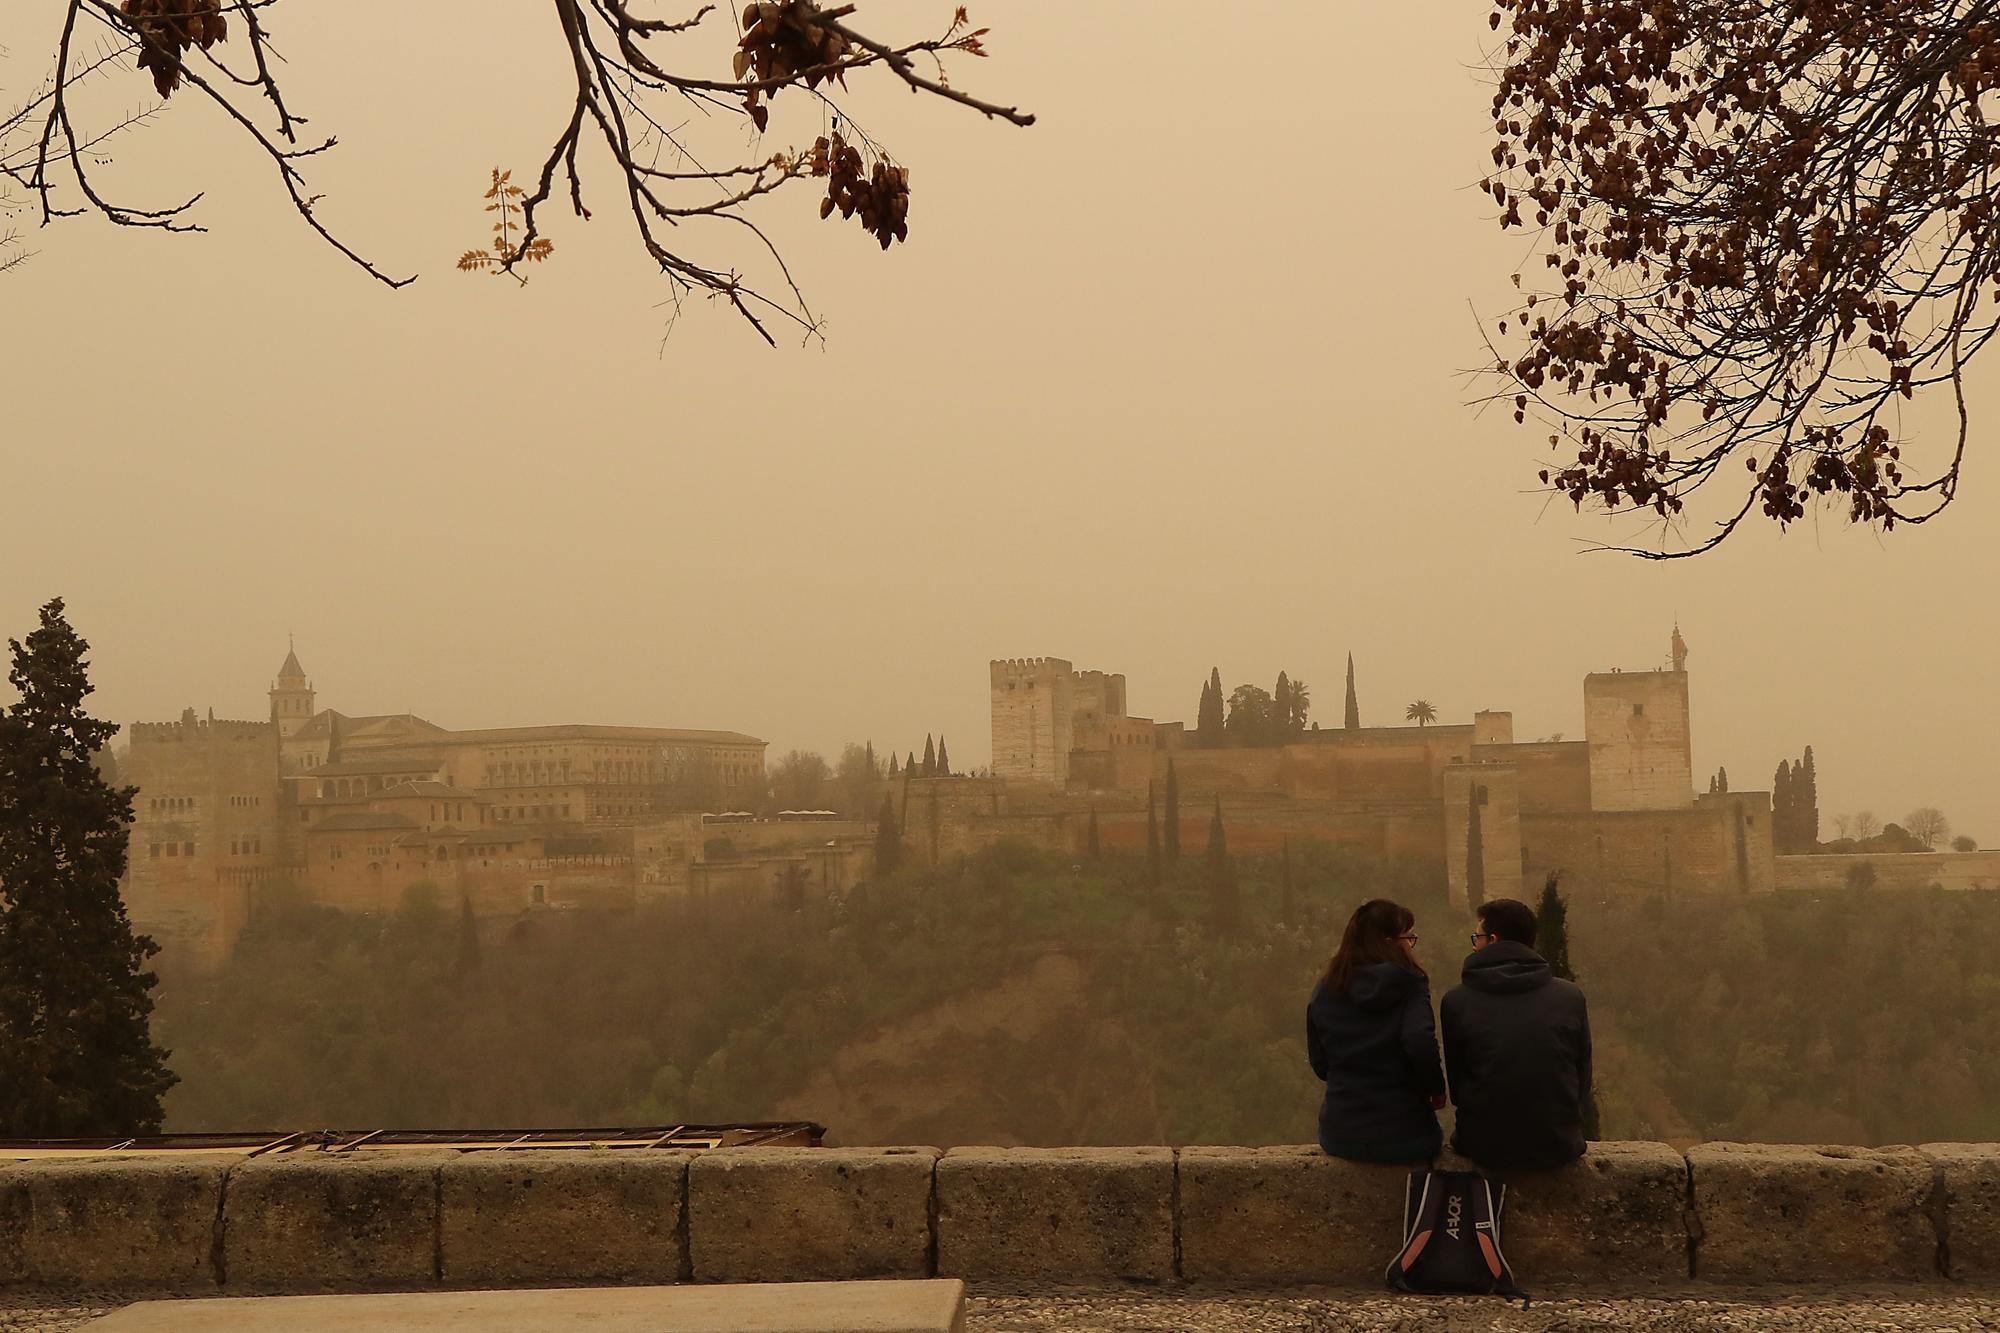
192,728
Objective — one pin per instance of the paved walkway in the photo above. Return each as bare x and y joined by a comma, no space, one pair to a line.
1321,1311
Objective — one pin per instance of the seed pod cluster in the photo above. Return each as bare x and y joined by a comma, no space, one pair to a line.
167,28
881,195
783,40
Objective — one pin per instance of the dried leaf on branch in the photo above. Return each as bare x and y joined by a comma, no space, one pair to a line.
1762,229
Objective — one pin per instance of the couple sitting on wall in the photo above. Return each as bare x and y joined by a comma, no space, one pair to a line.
1516,1046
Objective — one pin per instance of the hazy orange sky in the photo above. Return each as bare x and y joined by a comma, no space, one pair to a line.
1170,380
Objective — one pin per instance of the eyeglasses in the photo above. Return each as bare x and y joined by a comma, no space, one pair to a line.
1407,939
1479,935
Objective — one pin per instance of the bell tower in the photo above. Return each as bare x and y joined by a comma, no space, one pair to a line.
291,697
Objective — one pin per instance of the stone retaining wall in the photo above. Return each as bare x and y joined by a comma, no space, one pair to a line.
1628,1215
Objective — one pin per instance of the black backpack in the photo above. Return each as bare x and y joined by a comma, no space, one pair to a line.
1451,1237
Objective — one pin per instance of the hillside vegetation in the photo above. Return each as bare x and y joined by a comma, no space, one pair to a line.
1019,997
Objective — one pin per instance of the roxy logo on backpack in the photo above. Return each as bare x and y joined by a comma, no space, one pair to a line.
1451,1237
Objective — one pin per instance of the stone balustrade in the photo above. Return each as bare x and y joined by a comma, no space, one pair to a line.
1629,1215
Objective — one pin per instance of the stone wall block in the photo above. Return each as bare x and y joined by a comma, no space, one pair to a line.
1970,1176
1802,1213
1061,1214
562,1216
135,1223
1288,1214
801,1214
1617,1215
332,1220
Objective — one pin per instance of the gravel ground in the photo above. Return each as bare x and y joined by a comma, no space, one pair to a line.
1089,1310
1325,1311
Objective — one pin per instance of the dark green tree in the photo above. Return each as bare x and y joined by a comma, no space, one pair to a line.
1172,832
1220,872
944,759
1783,811
1209,722
1475,847
1552,935
894,770
888,839
1281,711
1250,713
1807,791
930,757
1090,843
1152,838
76,1051
1353,707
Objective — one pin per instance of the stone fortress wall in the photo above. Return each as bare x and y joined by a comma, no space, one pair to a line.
1617,810
1627,1217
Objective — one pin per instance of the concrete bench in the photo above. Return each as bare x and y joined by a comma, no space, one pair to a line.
789,1307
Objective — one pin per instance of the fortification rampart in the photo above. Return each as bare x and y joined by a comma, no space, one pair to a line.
1891,870
1627,1216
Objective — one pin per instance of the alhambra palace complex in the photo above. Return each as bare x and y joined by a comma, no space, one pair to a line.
351,812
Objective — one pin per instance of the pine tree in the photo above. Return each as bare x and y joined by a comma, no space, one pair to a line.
888,840
1152,838
944,759
1172,838
930,758
1221,874
467,962
1353,707
1090,844
76,1052
1552,934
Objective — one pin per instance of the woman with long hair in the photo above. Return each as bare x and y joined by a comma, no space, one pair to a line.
1371,1038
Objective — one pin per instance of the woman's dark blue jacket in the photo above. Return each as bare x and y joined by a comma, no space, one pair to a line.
1376,1048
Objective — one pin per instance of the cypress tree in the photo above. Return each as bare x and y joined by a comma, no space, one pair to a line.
1173,821
1221,874
888,840
1353,707
1090,844
1552,937
930,758
1152,838
1781,809
893,770
872,770
944,759
1808,792
1281,709
76,1051
1722,780
910,764
1208,724
1475,850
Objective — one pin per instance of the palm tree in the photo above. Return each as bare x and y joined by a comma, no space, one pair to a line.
1422,712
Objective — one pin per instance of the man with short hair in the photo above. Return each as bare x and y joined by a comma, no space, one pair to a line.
1516,1049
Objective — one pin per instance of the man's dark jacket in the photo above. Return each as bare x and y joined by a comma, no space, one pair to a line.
1517,1048
1376,1048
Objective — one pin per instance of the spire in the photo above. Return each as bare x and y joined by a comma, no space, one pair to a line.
1680,648
291,670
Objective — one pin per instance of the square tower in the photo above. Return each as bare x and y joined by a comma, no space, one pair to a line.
1034,719
1640,748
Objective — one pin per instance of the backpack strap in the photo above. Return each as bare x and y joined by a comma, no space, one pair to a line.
1417,1228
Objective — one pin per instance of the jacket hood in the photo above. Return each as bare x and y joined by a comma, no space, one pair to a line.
1505,968
1376,986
